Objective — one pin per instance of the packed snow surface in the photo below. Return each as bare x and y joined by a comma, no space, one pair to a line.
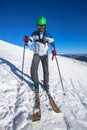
17,101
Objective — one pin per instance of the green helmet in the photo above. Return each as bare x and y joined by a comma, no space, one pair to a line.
41,21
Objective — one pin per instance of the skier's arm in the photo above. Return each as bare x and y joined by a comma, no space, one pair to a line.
50,40
52,44
30,40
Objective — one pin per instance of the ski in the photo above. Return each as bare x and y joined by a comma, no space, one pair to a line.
36,109
52,103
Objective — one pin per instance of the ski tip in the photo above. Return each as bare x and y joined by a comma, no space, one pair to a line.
36,118
57,111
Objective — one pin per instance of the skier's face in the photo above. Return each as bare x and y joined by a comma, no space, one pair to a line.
41,28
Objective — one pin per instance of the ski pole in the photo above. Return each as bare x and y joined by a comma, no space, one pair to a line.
23,65
60,75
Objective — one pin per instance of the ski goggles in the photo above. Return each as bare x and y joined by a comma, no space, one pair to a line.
41,26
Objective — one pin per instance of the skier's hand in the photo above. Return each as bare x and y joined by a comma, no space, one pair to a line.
54,52
25,39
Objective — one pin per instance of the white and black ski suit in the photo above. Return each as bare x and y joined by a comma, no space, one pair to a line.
41,40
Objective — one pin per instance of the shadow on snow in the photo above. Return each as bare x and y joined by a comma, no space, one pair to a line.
17,72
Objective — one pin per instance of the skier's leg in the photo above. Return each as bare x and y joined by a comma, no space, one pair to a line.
44,60
34,71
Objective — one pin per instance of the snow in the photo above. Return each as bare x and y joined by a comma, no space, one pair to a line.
17,101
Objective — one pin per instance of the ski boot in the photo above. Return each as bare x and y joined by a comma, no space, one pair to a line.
46,87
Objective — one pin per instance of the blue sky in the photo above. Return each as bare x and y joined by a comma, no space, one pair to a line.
66,21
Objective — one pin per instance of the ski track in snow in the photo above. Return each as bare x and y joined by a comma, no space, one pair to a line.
17,101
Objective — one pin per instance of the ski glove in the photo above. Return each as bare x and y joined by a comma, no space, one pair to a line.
25,39
54,52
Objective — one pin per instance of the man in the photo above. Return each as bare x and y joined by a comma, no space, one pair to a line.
42,40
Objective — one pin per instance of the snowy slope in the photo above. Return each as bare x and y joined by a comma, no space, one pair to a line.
16,102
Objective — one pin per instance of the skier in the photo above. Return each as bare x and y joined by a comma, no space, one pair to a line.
42,39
